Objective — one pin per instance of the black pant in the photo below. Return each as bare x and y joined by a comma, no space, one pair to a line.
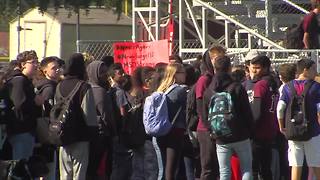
208,156
282,147
98,147
171,147
261,162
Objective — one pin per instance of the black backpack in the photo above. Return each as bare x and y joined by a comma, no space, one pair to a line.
64,128
192,117
133,134
117,115
7,113
7,110
298,127
294,37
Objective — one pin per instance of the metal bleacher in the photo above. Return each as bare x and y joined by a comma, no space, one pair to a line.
267,18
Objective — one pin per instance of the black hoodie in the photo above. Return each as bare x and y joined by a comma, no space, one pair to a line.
103,101
75,71
47,89
244,121
22,95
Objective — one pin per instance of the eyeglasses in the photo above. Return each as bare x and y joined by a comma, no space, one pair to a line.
182,72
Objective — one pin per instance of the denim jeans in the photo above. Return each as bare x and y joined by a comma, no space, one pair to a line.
22,145
122,161
159,158
188,159
244,153
150,161
138,163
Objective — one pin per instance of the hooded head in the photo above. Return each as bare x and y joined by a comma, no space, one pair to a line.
75,66
97,73
206,63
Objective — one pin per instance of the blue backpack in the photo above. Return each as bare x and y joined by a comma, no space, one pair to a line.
221,114
155,114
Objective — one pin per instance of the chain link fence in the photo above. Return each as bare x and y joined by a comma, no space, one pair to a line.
98,49
279,57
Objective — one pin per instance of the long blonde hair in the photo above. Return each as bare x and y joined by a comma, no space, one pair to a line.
169,76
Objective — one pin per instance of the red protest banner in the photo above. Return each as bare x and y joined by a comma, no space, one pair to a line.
132,55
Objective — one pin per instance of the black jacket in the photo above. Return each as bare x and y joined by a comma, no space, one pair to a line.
244,120
103,101
22,95
47,89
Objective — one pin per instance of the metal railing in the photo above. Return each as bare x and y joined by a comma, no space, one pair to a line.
98,49
266,18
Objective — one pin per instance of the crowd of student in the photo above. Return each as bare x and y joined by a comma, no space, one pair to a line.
107,139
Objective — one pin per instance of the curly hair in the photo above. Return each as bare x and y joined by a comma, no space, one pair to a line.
25,56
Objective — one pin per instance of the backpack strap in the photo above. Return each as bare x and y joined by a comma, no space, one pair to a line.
71,94
170,88
292,89
180,108
306,88
176,116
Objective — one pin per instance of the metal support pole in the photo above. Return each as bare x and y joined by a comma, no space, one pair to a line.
227,35
249,41
204,28
181,25
19,24
237,37
268,18
78,30
157,20
150,17
134,26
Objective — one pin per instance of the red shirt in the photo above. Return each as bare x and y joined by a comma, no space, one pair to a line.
201,86
310,26
266,126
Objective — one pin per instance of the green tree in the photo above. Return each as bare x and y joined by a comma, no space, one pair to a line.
10,8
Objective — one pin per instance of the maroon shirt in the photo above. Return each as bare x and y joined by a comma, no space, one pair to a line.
201,86
310,25
266,126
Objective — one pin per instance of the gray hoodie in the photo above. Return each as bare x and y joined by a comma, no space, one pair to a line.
106,121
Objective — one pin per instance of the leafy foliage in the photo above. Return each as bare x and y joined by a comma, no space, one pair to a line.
10,8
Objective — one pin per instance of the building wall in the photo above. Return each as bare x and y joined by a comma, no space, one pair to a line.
39,28
91,32
4,45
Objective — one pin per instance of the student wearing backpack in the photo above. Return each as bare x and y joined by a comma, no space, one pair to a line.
190,155
299,119
239,124
101,145
287,73
262,92
80,125
208,157
171,144
21,128
122,155
6,112
46,87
